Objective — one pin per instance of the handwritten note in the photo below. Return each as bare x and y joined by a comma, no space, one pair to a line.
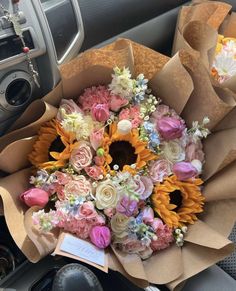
83,249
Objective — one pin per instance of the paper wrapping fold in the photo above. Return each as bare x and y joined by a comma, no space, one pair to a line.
198,90
224,145
197,30
173,264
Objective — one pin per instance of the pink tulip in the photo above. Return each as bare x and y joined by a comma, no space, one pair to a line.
35,197
170,127
100,236
184,171
100,112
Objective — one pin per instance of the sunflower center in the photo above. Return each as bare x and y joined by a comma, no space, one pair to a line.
122,153
176,198
56,146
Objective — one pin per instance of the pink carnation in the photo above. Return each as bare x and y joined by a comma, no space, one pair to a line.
79,222
117,102
132,114
87,211
93,96
94,172
163,233
78,187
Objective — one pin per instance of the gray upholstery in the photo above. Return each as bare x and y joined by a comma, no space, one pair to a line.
229,264
212,279
104,19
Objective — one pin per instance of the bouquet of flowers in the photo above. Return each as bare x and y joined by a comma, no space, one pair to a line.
121,163
111,159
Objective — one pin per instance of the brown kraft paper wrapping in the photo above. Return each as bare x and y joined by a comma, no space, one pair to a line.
173,265
198,27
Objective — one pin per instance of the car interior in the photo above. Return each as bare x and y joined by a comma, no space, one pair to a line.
56,31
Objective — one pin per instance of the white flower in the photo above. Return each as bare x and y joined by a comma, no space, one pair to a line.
230,47
225,65
106,195
121,83
81,125
173,151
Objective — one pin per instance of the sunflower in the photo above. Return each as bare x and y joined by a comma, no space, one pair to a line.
125,150
53,146
178,202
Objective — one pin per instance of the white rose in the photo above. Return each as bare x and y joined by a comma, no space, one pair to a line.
106,195
173,151
119,225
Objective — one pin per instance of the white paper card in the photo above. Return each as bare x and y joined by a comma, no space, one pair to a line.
83,249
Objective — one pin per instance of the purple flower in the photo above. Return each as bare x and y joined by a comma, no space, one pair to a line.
184,171
100,236
127,206
170,127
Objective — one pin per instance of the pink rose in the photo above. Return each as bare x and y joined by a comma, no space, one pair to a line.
96,138
87,211
100,236
78,187
194,151
99,161
124,114
35,197
148,215
100,112
117,102
158,170
170,127
184,171
144,186
94,172
68,106
81,157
